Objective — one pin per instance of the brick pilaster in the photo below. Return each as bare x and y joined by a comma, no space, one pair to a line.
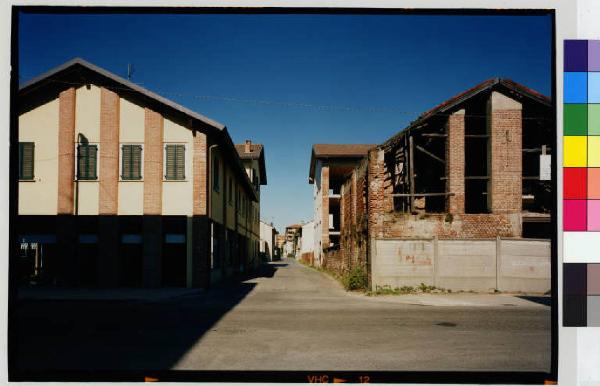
379,199
66,151
153,162
200,174
455,162
109,152
506,168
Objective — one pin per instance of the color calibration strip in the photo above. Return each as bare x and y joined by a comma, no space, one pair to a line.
581,305
581,152
581,184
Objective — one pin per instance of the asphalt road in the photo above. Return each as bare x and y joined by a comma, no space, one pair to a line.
288,318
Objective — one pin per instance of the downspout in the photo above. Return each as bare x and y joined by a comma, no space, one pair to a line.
209,203
79,136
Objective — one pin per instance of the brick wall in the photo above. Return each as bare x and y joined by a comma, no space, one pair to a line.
406,225
380,189
109,152
153,162
353,229
333,260
200,174
506,168
455,162
66,151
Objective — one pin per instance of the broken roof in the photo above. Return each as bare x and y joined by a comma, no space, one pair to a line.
507,86
78,72
256,153
333,151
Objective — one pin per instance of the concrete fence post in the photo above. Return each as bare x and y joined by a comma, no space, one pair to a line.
498,261
434,260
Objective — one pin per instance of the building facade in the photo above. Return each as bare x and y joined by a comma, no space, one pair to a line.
329,166
460,199
119,186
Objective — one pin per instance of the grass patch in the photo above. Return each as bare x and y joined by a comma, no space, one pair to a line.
406,290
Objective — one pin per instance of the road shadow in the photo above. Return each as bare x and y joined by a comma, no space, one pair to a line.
543,300
57,337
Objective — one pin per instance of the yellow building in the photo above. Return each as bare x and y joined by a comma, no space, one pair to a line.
119,186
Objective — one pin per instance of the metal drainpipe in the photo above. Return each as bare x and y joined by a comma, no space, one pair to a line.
75,173
209,189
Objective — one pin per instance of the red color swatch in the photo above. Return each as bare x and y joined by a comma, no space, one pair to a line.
575,183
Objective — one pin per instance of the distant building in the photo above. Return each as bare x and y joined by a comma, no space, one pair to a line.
267,241
280,244
119,186
292,235
329,166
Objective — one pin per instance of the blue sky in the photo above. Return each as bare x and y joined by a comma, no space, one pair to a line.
289,81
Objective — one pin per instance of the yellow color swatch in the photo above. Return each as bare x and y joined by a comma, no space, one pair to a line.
575,151
594,151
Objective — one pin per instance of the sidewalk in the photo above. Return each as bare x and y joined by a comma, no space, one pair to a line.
138,294
465,300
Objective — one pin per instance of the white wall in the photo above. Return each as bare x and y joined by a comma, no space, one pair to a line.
266,239
308,238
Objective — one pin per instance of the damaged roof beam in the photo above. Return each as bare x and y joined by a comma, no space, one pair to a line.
435,157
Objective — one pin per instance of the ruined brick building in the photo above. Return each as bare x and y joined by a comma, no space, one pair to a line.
438,199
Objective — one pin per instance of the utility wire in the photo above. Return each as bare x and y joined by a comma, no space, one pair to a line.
266,102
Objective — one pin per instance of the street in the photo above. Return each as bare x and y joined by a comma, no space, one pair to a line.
288,317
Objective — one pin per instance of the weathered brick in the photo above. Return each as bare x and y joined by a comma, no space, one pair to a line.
66,151
109,152
200,173
455,162
153,162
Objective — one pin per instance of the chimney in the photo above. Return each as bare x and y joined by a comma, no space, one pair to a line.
248,146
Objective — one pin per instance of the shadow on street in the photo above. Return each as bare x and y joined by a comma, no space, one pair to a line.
64,335
543,300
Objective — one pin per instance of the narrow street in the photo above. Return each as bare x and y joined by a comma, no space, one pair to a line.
289,317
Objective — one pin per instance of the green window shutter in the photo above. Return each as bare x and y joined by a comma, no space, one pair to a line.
87,156
126,162
180,162
175,162
26,159
81,161
92,159
131,162
170,162
136,162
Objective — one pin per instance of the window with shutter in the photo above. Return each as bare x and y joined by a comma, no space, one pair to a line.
131,162
87,156
26,157
175,162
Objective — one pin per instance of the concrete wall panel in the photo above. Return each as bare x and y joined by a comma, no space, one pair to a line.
400,263
515,265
